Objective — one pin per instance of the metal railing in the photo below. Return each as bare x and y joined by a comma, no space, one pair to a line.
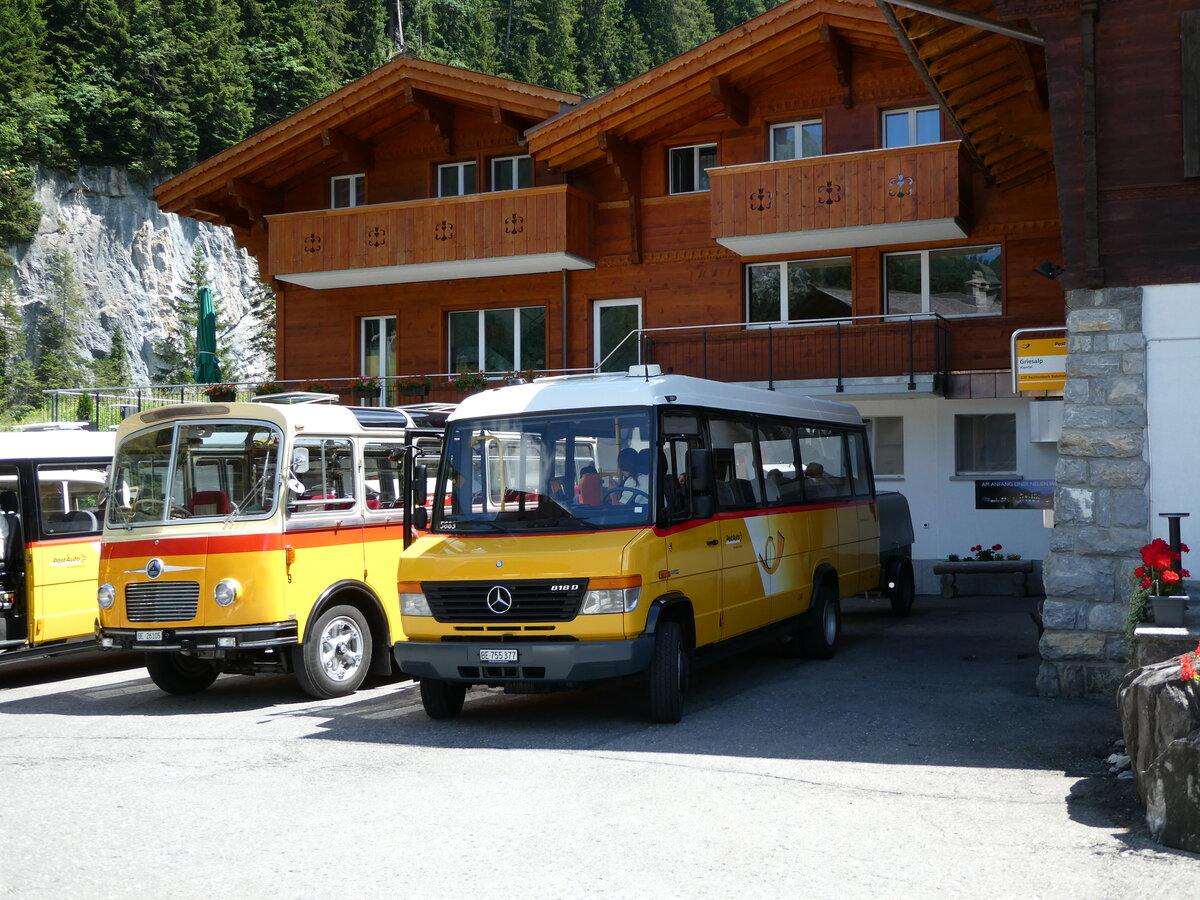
866,347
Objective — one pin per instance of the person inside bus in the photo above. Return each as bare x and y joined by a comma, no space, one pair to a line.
815,483
629,475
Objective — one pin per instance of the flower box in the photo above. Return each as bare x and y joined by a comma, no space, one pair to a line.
1168,611
223,396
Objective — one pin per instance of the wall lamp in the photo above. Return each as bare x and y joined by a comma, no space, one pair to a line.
1049,269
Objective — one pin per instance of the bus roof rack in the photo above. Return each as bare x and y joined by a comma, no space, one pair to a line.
288,397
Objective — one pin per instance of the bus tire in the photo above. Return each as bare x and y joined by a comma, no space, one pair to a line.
176,673
668,673
336,657
823,626
905,591
442,699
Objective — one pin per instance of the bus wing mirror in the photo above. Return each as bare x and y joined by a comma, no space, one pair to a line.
420,485
299,460
700,470
420,518
703,506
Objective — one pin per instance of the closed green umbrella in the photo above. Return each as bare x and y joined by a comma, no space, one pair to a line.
208,369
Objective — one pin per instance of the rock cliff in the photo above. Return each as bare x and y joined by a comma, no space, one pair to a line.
131,263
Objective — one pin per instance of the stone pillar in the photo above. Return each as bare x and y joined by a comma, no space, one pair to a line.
1101,502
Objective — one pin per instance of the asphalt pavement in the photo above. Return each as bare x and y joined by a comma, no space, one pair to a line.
917,763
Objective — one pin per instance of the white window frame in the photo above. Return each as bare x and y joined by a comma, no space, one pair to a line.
515,162
481,344
784,298
697,172
798,124
873,438
597,306
924,255
911,112
387,354
357,197
461,166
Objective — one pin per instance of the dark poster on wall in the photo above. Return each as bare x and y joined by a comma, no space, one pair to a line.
1025,494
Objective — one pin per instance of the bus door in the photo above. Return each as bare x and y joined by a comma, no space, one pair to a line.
13,624
324,523
383,514
745,584
66,559
692,544
866,520
782,551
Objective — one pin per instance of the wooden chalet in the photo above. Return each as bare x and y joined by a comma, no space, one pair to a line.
750,184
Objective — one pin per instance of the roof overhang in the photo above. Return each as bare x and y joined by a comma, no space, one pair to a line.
816,240
533,264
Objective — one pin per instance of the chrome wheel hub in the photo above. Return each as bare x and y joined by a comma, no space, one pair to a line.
341,649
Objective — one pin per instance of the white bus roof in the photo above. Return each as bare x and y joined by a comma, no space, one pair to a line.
571,392
317,418
56,444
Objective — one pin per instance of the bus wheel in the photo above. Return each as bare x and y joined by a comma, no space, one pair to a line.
334,660
821,629
905,591
442,699
668,673
178,674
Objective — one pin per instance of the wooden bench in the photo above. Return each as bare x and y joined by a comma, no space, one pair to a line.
951,569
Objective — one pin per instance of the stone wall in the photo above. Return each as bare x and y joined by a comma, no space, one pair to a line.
1102,508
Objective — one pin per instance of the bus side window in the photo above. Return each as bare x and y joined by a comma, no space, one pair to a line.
734,462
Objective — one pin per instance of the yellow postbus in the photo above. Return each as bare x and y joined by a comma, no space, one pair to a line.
51,485
258,537
611,525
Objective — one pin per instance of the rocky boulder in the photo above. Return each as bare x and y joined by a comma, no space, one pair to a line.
1161,716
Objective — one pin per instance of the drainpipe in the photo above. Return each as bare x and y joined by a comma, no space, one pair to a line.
564,319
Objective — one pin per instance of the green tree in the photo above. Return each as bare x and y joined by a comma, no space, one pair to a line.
366,38
59,319
112,370
175,352
611,46
162,134
215,71
18,388
672,27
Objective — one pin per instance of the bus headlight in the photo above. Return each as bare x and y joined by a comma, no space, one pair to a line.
226,592
413,601
106,596
610,600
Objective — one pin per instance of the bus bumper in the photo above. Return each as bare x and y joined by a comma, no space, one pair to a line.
240,637
547,663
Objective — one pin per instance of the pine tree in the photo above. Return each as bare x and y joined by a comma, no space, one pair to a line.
367,45
59,319
175,352
162,133
611,46
18,388
112,370
672,27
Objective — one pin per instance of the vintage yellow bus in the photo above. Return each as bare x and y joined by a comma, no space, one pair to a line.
259,537
611,525
51,484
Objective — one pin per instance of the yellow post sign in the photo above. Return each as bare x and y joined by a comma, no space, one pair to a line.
1041,364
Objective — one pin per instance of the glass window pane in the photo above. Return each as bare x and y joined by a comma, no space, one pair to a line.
783,142
448,181
775,446
902,274
533,337
964,281
732,443
887,443
896,130
502,174
985,444
468,178
371,345
929,126
682,170
860,481
616,323
499,340
360,190
819,289
812,143
765,297
824,461
464,341
341,193
708,159
524,171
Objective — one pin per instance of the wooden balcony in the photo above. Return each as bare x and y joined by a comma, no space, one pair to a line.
543,229
907,195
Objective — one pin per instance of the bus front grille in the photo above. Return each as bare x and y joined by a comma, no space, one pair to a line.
170,601
540,600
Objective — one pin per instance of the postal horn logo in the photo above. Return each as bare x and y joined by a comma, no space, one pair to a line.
499,600
772,555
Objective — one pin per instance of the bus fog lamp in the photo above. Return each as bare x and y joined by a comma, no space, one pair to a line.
106,643
226,592
106,596
610,600
414,604
226,642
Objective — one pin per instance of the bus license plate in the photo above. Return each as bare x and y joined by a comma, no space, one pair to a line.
149,635
498,656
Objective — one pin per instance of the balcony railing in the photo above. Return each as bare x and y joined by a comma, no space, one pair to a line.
898,350
903,195
542,229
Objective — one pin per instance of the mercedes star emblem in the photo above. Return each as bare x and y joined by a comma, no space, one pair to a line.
499,600
154,568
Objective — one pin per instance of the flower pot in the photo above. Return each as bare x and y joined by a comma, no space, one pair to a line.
222,396
1168,611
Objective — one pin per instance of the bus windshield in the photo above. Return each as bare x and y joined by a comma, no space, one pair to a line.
571,470
184,471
